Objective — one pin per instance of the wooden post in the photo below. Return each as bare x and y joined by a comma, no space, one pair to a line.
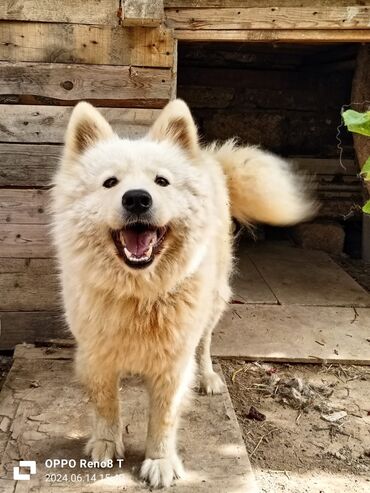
361,102
147,13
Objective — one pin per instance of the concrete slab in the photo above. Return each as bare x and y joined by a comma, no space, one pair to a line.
305,277
307,334
46,414
248,284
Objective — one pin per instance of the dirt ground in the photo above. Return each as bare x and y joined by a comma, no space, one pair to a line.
294,447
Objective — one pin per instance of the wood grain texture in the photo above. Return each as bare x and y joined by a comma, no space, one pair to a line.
261,3
354,17
25,241
22,265
361,100
326,166
91,12
47,124
89,82
23,206
301,36
73,43
18,327
27,165
142,12
35,287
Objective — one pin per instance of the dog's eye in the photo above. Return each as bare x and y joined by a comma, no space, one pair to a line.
110,182
162,182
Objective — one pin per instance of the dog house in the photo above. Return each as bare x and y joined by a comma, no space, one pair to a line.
273,73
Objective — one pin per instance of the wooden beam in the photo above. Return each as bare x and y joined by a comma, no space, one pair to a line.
356,17
74,43
17,327
31,265
24,165
174,71
325,166
361,100
30,289
276,35
260,3
91,12
23,206
142,12
90,82
25,241
47,124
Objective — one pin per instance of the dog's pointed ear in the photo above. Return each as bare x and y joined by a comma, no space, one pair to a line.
86,127
176,124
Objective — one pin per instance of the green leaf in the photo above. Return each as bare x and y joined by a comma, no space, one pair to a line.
365,170
357,122
366,207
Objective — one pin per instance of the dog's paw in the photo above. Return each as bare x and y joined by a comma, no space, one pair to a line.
100,449
160,473
211,383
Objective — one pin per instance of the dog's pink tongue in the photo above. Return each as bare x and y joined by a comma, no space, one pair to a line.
138,242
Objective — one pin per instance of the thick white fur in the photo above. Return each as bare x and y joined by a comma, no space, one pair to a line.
151,321
262,186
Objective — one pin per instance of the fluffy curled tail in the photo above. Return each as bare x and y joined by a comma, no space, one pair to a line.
263,187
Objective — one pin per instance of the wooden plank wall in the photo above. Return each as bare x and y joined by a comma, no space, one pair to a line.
298,21
50,58
286,98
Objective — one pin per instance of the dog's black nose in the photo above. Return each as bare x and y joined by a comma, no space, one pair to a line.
137,201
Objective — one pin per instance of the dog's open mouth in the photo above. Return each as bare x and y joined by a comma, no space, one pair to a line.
138,243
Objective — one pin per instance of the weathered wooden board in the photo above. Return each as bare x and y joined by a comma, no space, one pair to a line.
17,327
355,17
276,35
28,165
248,285
274,130
29,291
210,441
326,166
261,3
361,100
22,265
29,284
92,12
18,206
305,277
60,349
47,124
333,206
242,78
25,241
127,85
73,43
308,334
142,12
174,69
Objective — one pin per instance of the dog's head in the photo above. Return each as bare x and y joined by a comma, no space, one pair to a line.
143,201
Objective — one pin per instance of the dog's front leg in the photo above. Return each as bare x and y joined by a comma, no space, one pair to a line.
162,464
102,388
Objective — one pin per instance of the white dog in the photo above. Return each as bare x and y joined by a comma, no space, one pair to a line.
143,234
